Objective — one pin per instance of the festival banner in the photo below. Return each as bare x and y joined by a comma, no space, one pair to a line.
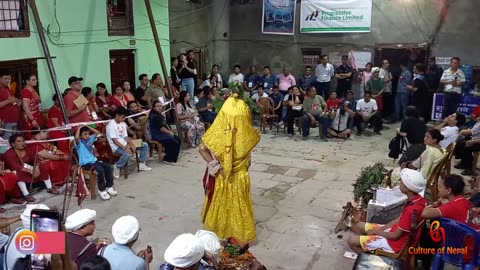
278,17
335,16
465,106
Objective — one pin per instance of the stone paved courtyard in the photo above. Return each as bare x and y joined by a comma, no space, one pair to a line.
298,189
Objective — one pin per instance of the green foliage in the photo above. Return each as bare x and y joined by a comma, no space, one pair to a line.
241,91
370,175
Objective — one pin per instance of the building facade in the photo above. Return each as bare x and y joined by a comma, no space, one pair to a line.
99,40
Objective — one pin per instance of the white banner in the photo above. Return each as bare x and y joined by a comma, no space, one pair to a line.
335,16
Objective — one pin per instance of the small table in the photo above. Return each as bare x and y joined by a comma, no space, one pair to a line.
367,261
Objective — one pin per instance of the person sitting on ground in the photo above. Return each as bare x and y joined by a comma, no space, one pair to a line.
205,106
11,253
392,236
332,102
88,161
432,155
160,131
413,128
340,118
121,144
294,109
120,255
189,119
450,128
9,187
187,251
368,113
352,105
80,225
468,144
314,109
259,94
95,263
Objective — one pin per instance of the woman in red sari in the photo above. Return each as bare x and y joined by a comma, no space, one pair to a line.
126,90
102,97
55,119
32,106
8,187
53,163
118,99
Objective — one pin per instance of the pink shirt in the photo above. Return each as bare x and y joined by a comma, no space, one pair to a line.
366,77
284,82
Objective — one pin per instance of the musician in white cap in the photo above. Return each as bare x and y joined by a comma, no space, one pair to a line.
120,255
392,236
185,252
80,225
11,253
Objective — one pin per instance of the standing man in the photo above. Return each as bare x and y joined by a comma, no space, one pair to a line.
434,74
268,80
285,81
75,114
402,96
387,77
252,80
419,88
453,80
344,77
9,105
193,65
307,80
324,73
236,76
140,91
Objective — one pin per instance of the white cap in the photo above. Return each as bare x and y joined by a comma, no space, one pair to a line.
186,250
375,69
27,212
125,229
210,242
413,180
79,219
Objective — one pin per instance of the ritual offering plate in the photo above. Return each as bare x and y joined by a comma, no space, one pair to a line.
233,256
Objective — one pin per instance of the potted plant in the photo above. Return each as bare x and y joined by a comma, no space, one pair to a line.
368,177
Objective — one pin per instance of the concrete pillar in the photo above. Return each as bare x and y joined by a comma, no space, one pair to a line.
219,47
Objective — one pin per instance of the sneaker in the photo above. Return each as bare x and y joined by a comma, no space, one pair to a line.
111,191
280,124
116,172
144,167
104,195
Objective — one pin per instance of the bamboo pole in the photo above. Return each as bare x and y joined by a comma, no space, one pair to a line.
162,63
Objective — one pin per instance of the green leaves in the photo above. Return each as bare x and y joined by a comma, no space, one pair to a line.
370,175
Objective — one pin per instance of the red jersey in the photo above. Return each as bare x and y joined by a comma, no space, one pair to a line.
460,209
9,113
332,104
70,106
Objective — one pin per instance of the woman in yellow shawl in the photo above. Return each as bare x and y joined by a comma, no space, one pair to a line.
227,144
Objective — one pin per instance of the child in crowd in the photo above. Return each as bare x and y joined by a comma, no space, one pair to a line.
392,236
88,161
333,101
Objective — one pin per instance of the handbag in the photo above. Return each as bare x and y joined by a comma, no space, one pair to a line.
396,146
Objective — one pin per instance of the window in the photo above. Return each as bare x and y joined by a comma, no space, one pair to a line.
13,19
311,57
120,17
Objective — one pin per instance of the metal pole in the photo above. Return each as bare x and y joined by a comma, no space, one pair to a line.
53,77
162,62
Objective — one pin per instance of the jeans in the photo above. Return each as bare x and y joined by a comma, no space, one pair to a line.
323,120
451,102
401,104
104,174
189,86
11,126
323,89
171,144
125,157
208,116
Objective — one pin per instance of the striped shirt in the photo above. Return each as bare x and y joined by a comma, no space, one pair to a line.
449,75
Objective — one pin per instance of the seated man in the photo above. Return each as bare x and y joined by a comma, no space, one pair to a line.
134,128
259,94
392,236
367,112
121,144
469,144
277,99
205,106
340,117
450,128
314,107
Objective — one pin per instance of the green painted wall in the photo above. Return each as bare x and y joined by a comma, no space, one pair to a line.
81,44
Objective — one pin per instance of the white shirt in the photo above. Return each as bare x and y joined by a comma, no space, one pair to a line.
116,131
205,83
367,108
448,75
324,73
236,78
219,78
450,135
255,96
340,122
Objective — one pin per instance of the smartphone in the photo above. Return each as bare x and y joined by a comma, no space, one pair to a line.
43,221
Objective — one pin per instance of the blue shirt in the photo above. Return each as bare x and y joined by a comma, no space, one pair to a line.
276,99
122,257
404,80
305,82
253,79
85,151
268,83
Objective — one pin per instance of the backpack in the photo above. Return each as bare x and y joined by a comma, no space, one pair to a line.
396,146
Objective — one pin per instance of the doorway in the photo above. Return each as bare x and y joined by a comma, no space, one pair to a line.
122,66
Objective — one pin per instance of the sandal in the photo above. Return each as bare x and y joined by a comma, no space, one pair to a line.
53,191
29,198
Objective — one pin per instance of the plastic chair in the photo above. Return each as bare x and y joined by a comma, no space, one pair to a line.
455,235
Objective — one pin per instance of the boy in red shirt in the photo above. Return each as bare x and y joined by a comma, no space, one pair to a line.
333,101
392,236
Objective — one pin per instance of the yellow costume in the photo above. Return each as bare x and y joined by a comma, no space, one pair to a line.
230,140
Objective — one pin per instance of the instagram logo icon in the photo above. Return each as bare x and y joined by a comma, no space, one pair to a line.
26,242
